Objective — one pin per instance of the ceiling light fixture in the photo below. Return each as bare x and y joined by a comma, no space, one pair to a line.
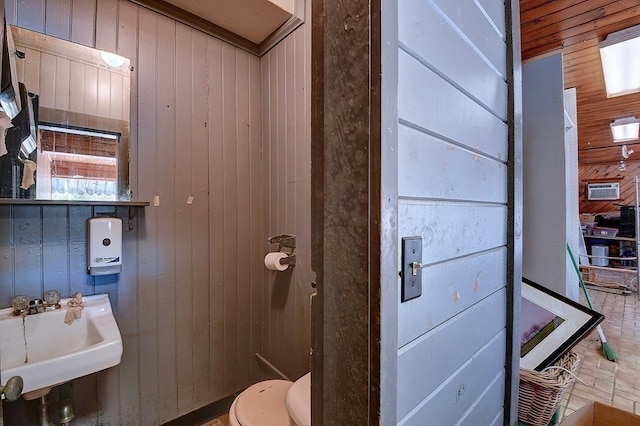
112,59
625,129
621,62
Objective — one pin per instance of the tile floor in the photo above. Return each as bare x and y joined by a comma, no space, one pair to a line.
220,421
612,383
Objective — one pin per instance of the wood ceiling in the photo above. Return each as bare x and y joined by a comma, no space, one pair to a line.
576,27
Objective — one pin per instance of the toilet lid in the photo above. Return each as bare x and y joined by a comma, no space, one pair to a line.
262,404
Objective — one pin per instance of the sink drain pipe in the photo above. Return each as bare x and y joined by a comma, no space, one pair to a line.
65,407
44,411
65,404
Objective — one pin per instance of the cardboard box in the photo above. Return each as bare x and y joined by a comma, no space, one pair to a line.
597,414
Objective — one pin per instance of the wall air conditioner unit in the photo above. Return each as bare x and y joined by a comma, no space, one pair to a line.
603,191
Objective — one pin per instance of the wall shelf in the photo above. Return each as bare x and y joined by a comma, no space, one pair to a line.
620,275
18,201
30,202
599,237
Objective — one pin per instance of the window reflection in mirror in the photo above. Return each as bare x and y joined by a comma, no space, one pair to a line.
77,164
82,116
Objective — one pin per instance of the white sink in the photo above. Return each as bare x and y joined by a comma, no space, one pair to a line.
45,351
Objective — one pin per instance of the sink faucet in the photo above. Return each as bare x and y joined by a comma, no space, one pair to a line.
36,306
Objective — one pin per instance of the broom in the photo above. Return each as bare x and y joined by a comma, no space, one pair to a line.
606,347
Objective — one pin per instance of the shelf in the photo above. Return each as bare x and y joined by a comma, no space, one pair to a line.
19,201
598,237
30,202
620,279
610,258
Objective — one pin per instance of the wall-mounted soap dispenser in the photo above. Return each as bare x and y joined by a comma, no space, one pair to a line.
104,251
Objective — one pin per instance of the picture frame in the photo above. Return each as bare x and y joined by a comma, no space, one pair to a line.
550,325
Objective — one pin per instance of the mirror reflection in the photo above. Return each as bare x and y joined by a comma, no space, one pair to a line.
76,146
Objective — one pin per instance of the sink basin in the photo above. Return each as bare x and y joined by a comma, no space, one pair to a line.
45,351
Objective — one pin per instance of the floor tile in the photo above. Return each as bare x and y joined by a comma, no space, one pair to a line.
612,383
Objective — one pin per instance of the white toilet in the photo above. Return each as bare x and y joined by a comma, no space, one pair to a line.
273,403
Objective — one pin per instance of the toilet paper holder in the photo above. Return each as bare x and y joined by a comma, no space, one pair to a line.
286,244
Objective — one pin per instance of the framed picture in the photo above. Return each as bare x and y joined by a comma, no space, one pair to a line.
550,325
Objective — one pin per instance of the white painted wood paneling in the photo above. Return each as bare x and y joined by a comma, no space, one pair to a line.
106,34
230,198
453,191
451,287
183,216
427,34
257,200
83,21
127,409
168,292
487,36
445,111
433,168
496,13
477,227
244,215
148,261
199,205
287,186
457,396
418,358
58,15
492,396
216,226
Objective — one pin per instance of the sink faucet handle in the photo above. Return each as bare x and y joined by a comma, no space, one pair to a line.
52,299
20,304
13,389
36,306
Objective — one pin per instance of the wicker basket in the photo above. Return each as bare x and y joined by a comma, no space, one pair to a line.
541,391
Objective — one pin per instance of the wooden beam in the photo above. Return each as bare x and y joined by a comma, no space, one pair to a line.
346,211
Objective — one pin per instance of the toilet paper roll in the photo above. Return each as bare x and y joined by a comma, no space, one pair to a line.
272,261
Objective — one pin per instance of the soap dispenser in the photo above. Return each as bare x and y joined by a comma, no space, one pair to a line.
104,251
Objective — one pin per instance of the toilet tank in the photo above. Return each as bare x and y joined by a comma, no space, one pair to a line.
298,401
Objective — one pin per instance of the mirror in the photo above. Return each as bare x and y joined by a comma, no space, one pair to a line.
9,93
79,98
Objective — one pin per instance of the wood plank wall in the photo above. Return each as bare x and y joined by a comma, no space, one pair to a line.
608,173
194,302
287,186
